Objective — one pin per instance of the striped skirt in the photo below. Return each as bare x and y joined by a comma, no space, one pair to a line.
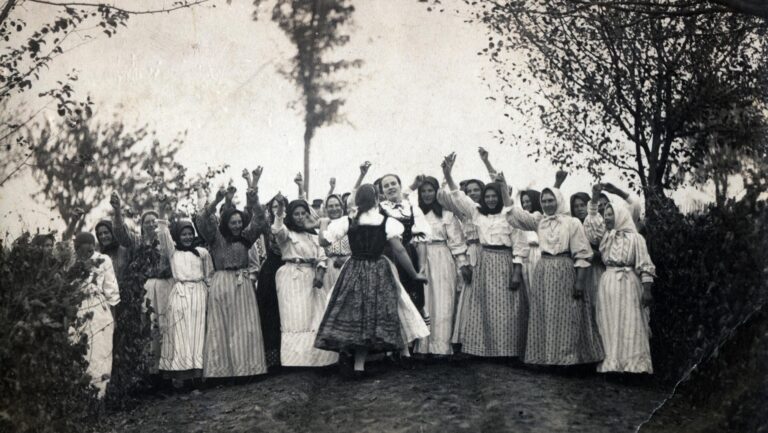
440,299
301,309
233,340
185,317
492,318
561,330
623,323
529,265
156,292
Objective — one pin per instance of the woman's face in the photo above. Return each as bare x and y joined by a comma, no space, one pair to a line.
548,203
274,207
601,202
391,188
149,224
526,202
104,235
187,236
235,224
85,251
610,218
491,199
298,215
333,208
427,193
580,209
48,246
474,191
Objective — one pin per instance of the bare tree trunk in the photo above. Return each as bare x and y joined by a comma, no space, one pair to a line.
308,132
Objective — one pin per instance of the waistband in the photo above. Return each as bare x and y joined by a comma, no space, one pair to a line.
436,243
473,242
549,255
332,256
199,280
235,268
369,258
496,247
300,262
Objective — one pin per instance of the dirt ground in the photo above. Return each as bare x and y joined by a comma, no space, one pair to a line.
473,396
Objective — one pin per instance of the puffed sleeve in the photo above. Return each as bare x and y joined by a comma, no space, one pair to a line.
643,264
164,238
455,238
457,202
279,230
581,251
336,230
109,283
520,218
521,248
125,236
394,228
594,225
207,225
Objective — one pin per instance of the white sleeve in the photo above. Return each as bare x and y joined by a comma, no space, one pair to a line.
394,228
336,230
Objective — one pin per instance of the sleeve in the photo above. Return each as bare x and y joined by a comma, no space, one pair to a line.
208,268
594,225
520,218
279,230
420,223
643,264
258,224
456,240
167,246
394,228
109,285
254,261
322,257
457,202
521,249
336,230
124,235
581,251
207,225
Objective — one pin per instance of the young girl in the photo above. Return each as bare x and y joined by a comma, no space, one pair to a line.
624,292
369,310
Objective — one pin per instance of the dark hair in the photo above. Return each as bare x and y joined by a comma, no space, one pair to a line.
434,206
344,198
484,209
39,239
365,200
465,183
227,233
578,196
290,223
269,207
535,198
176,230
381,181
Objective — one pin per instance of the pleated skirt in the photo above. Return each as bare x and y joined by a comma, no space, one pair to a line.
561,330
492,318
156,292
623,323
233,339
183,342
440,299
301,309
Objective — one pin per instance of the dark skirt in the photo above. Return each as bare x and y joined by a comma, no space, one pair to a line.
362,311
269,312
415,289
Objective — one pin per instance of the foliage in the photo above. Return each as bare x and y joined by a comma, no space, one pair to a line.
622,89
44,386
316,28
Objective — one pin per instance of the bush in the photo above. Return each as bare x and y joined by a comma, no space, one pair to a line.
43,381
711,275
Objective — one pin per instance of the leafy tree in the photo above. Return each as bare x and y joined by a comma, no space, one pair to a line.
316,28
619,89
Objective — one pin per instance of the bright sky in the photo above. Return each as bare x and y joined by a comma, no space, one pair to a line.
214,72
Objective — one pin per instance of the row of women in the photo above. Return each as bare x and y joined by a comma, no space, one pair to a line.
428,269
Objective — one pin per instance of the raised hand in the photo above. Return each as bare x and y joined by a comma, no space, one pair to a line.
364,167
114,201
611,188
417,181
256,176
247,176
220,194
500,178
299,179
483,153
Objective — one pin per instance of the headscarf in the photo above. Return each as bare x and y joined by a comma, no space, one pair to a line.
580,196
84,238
341,202
561,209
144,216
434,206
465,183
365,200
484,209
535,198
289,221
623,225
39,239
227,233
111,248
344,198
176,235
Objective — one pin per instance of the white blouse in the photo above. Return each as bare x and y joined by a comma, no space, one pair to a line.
338,228
559,233
185,265
294,245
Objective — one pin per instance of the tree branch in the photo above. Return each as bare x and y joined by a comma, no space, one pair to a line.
115,8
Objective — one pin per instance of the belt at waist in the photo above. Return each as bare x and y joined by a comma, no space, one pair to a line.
496,247
300,262
199,280
332,256
473,242
565,254
368,257
235,268
436,243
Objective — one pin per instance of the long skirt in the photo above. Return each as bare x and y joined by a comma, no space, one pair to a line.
561,330
593,282
185,336
331,274
99,330
269,311
156,295
233,340
473,257
301,309
623,323
529,265
493,317
440,299
415,289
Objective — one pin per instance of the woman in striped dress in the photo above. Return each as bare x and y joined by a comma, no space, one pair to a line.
624,292
561,329
233,339
301,295
338,252
192,269
160,279
445,259
494,310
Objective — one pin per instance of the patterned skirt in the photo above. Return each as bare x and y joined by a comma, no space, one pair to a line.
269,311
492,319
561,329
233,341
440,298
156,294
623,323
185,318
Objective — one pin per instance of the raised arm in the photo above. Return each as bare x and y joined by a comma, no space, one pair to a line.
452,198
594,225
258,223
634,205
364,167
505,198
487,162
332,184
279,230
124,236
206,222
299,181
520,218
560,178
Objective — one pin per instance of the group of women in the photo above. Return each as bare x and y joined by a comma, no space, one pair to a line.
428,270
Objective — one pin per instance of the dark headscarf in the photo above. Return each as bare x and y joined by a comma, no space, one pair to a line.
84,238
434,206
290,223
484,209
535,198
465,183
269,207
114,246
176,235
581,196
341,202
227,233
